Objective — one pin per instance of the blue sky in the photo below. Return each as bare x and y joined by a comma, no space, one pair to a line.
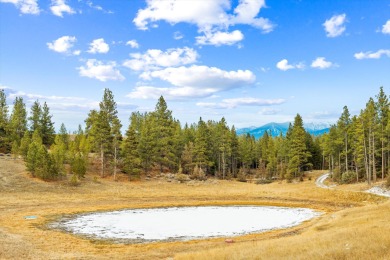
251,61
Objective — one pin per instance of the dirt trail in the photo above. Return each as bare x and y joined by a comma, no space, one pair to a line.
320,181
374,190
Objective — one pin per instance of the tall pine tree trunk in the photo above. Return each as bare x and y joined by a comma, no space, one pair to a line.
373,158
102,161
223,164
366,162
115,154
346,152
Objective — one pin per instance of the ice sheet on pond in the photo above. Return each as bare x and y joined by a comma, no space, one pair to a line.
184,223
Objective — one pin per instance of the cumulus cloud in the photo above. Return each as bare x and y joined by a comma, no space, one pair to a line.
284,65
209,16
194,81
372,55
133,44
220,38
100,71
335,25
59,7
386,27
98,46
155,59
25,6
236,102
321,63
202,77
63,45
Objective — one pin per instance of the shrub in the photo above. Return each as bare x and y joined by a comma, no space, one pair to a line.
348,177
198,174
241,176
289,177
264,181
74,181
336,174
181,177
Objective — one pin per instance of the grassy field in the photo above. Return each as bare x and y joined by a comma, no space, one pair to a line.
354,225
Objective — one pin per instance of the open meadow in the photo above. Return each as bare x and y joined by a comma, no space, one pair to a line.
354,225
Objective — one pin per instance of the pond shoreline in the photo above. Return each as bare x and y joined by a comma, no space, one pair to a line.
81,225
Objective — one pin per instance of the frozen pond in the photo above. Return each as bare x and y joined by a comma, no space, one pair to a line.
183,223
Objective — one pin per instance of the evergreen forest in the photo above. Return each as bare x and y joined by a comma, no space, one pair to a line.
356,149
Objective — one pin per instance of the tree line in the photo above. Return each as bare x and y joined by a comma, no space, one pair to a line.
356,148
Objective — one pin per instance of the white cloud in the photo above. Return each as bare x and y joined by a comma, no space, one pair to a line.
156,59
59,7
97,7
236,102
25,6
178,35
133,44
220,38
386,27
335,25
283,65
98,46
98,70
372,55
172,93
209,16
321,63
202,77
194,81
63,45
246,13
269,111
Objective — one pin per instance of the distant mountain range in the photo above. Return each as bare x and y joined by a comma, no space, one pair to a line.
275,129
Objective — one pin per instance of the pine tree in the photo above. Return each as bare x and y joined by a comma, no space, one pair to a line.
298,153
130,155
146,143
382,105
46,126
64,136
163,133
34,157
58,152
35,118
103,129
201,146
24,144
18,121
343,125
234,151
187,158
4,124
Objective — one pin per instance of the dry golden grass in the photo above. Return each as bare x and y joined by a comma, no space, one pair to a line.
351,220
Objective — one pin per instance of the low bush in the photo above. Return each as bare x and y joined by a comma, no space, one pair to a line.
182,177
241,176
264,181
348,177
198,174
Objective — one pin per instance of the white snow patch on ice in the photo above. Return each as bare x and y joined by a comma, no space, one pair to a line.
185,223
379,191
